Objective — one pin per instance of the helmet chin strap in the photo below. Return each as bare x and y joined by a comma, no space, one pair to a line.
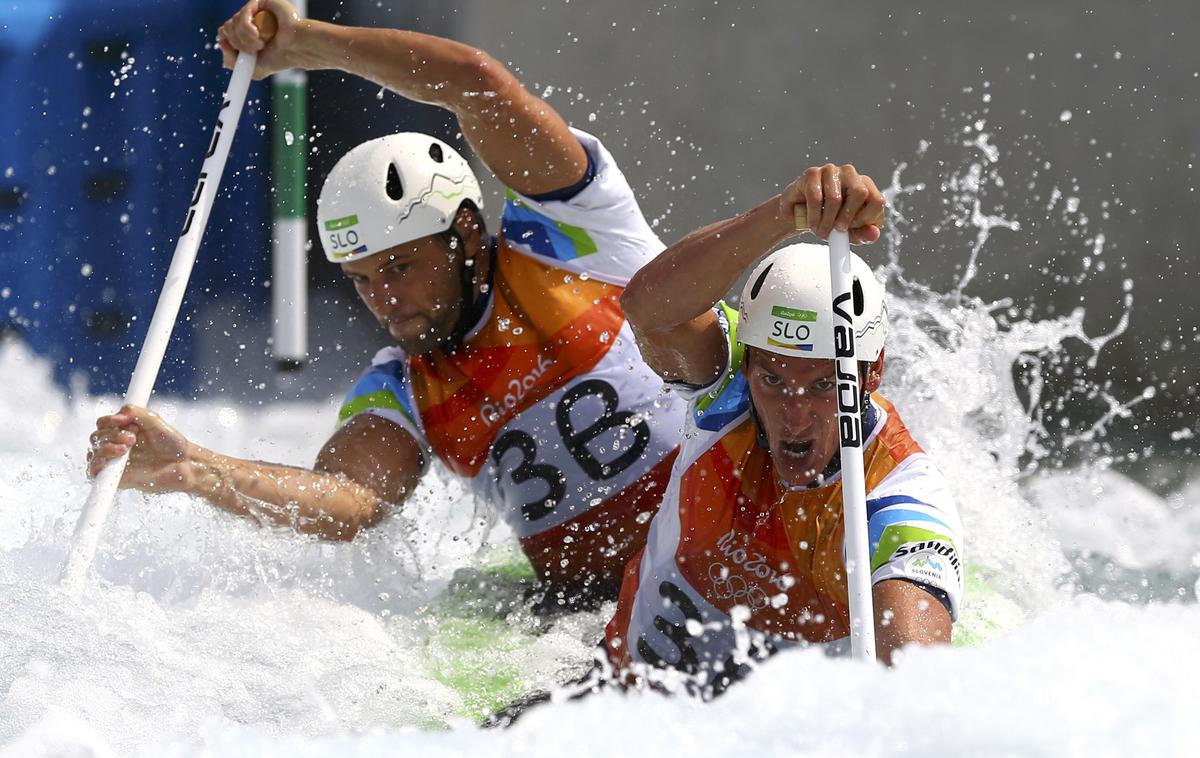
471,305
761,433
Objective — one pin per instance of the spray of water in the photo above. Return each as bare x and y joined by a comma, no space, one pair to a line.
205,632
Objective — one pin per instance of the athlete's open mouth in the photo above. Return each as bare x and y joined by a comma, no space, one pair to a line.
797,450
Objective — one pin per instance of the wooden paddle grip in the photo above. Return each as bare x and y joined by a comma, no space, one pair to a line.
267,25
802,218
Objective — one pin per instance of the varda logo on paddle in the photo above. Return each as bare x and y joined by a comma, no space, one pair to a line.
212,148
849,409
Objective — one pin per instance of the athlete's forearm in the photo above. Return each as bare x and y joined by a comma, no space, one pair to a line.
419,66
689,277
524,141
328,505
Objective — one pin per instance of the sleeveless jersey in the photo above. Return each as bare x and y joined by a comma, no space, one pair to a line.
547,406
730,535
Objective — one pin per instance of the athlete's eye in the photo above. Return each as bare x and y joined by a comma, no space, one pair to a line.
824,385
771,380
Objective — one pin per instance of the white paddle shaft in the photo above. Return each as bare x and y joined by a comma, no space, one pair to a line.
100,501
851,435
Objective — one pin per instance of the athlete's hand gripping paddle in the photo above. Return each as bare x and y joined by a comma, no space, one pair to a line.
802,225
104,490
851,438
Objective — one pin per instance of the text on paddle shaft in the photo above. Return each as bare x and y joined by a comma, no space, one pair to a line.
212,148
849,419
576,440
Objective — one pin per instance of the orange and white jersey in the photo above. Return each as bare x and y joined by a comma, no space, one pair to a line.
547,407
732,540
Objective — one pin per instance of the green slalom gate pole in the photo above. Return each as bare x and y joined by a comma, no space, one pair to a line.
289,228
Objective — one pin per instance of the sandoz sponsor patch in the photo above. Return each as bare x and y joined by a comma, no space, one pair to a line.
932,557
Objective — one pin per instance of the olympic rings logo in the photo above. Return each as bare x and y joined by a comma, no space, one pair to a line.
727,586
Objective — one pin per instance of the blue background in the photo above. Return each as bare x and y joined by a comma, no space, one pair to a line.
95,179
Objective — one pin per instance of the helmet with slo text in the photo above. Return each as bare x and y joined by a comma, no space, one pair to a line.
787,305
392,190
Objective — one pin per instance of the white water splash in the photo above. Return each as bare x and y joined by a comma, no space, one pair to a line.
206,634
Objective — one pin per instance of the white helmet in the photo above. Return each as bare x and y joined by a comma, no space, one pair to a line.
787,307
392,190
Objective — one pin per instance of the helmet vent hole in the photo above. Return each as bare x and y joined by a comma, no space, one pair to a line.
435,152
395,189
759,282
859,299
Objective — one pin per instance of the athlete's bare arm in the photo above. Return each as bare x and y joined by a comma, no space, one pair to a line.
669,302
907,614
366,468
524,141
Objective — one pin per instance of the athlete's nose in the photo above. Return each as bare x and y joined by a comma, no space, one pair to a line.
797,411
382,293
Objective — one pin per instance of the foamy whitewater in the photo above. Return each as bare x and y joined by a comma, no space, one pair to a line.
204,634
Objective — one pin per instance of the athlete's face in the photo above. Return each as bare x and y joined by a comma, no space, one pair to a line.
796,401
414,290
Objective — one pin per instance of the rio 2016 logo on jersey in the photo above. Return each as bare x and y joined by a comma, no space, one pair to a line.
790,329
343,236
493,411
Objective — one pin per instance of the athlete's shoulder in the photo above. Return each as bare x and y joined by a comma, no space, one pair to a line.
719,404
892,433
914,527
595,226
902,468
384,388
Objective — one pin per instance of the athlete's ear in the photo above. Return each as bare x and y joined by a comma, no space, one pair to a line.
469,226
874,376
468,223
